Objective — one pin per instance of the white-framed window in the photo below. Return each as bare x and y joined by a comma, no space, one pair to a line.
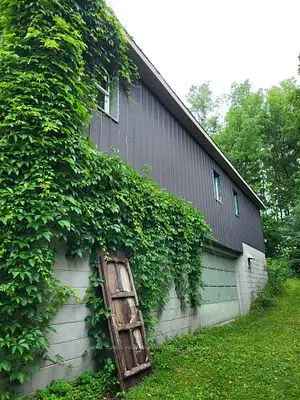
236,203
108,97
217,186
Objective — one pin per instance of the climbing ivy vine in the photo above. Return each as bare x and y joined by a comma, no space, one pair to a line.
55,186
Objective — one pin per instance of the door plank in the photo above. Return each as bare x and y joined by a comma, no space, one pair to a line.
126,325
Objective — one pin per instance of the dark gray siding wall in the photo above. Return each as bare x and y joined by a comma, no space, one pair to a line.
148,135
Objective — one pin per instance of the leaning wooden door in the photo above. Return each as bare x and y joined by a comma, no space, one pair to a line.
126,321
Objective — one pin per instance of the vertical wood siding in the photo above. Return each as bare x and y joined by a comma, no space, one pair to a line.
148,135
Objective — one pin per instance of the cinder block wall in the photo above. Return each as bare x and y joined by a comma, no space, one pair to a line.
219,297
230,286
251,280
69,352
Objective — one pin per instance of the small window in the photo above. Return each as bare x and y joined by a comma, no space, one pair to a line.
236,204
217,186
108,97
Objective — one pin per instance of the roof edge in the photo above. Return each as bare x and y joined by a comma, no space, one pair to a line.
175,105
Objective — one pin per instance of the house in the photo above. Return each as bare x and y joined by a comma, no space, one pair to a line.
152,127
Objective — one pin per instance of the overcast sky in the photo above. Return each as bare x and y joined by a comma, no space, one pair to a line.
192,41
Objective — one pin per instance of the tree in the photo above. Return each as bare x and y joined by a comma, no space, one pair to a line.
291,235
261,136
204,106
241,138
282,145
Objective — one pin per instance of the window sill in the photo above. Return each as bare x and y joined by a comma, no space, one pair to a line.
100,110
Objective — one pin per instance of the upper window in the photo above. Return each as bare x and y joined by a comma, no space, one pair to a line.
217,186
236,203
108,97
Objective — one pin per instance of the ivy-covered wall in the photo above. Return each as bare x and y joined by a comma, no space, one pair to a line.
54,186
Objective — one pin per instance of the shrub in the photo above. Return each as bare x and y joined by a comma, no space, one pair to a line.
88,386
278,273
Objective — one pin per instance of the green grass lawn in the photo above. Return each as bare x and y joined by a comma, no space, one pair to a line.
257,357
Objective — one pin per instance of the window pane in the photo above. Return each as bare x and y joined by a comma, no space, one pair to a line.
217,185
101,100
236,203
108,99
114,99
104,83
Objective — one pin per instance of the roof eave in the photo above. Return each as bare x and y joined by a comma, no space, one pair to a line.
172,102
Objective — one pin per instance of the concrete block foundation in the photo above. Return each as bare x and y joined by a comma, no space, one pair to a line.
230,285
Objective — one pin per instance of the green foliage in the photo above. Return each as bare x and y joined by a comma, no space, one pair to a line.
164,237
204,106
278,273
241,137
97,319
261,137
282,145
87,387
273,234
54,186
291,235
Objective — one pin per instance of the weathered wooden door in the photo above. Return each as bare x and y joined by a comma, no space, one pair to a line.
126,321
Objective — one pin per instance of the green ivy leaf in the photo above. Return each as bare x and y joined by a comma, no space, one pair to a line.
65,224
51,44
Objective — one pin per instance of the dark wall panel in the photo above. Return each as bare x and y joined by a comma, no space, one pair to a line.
148,135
